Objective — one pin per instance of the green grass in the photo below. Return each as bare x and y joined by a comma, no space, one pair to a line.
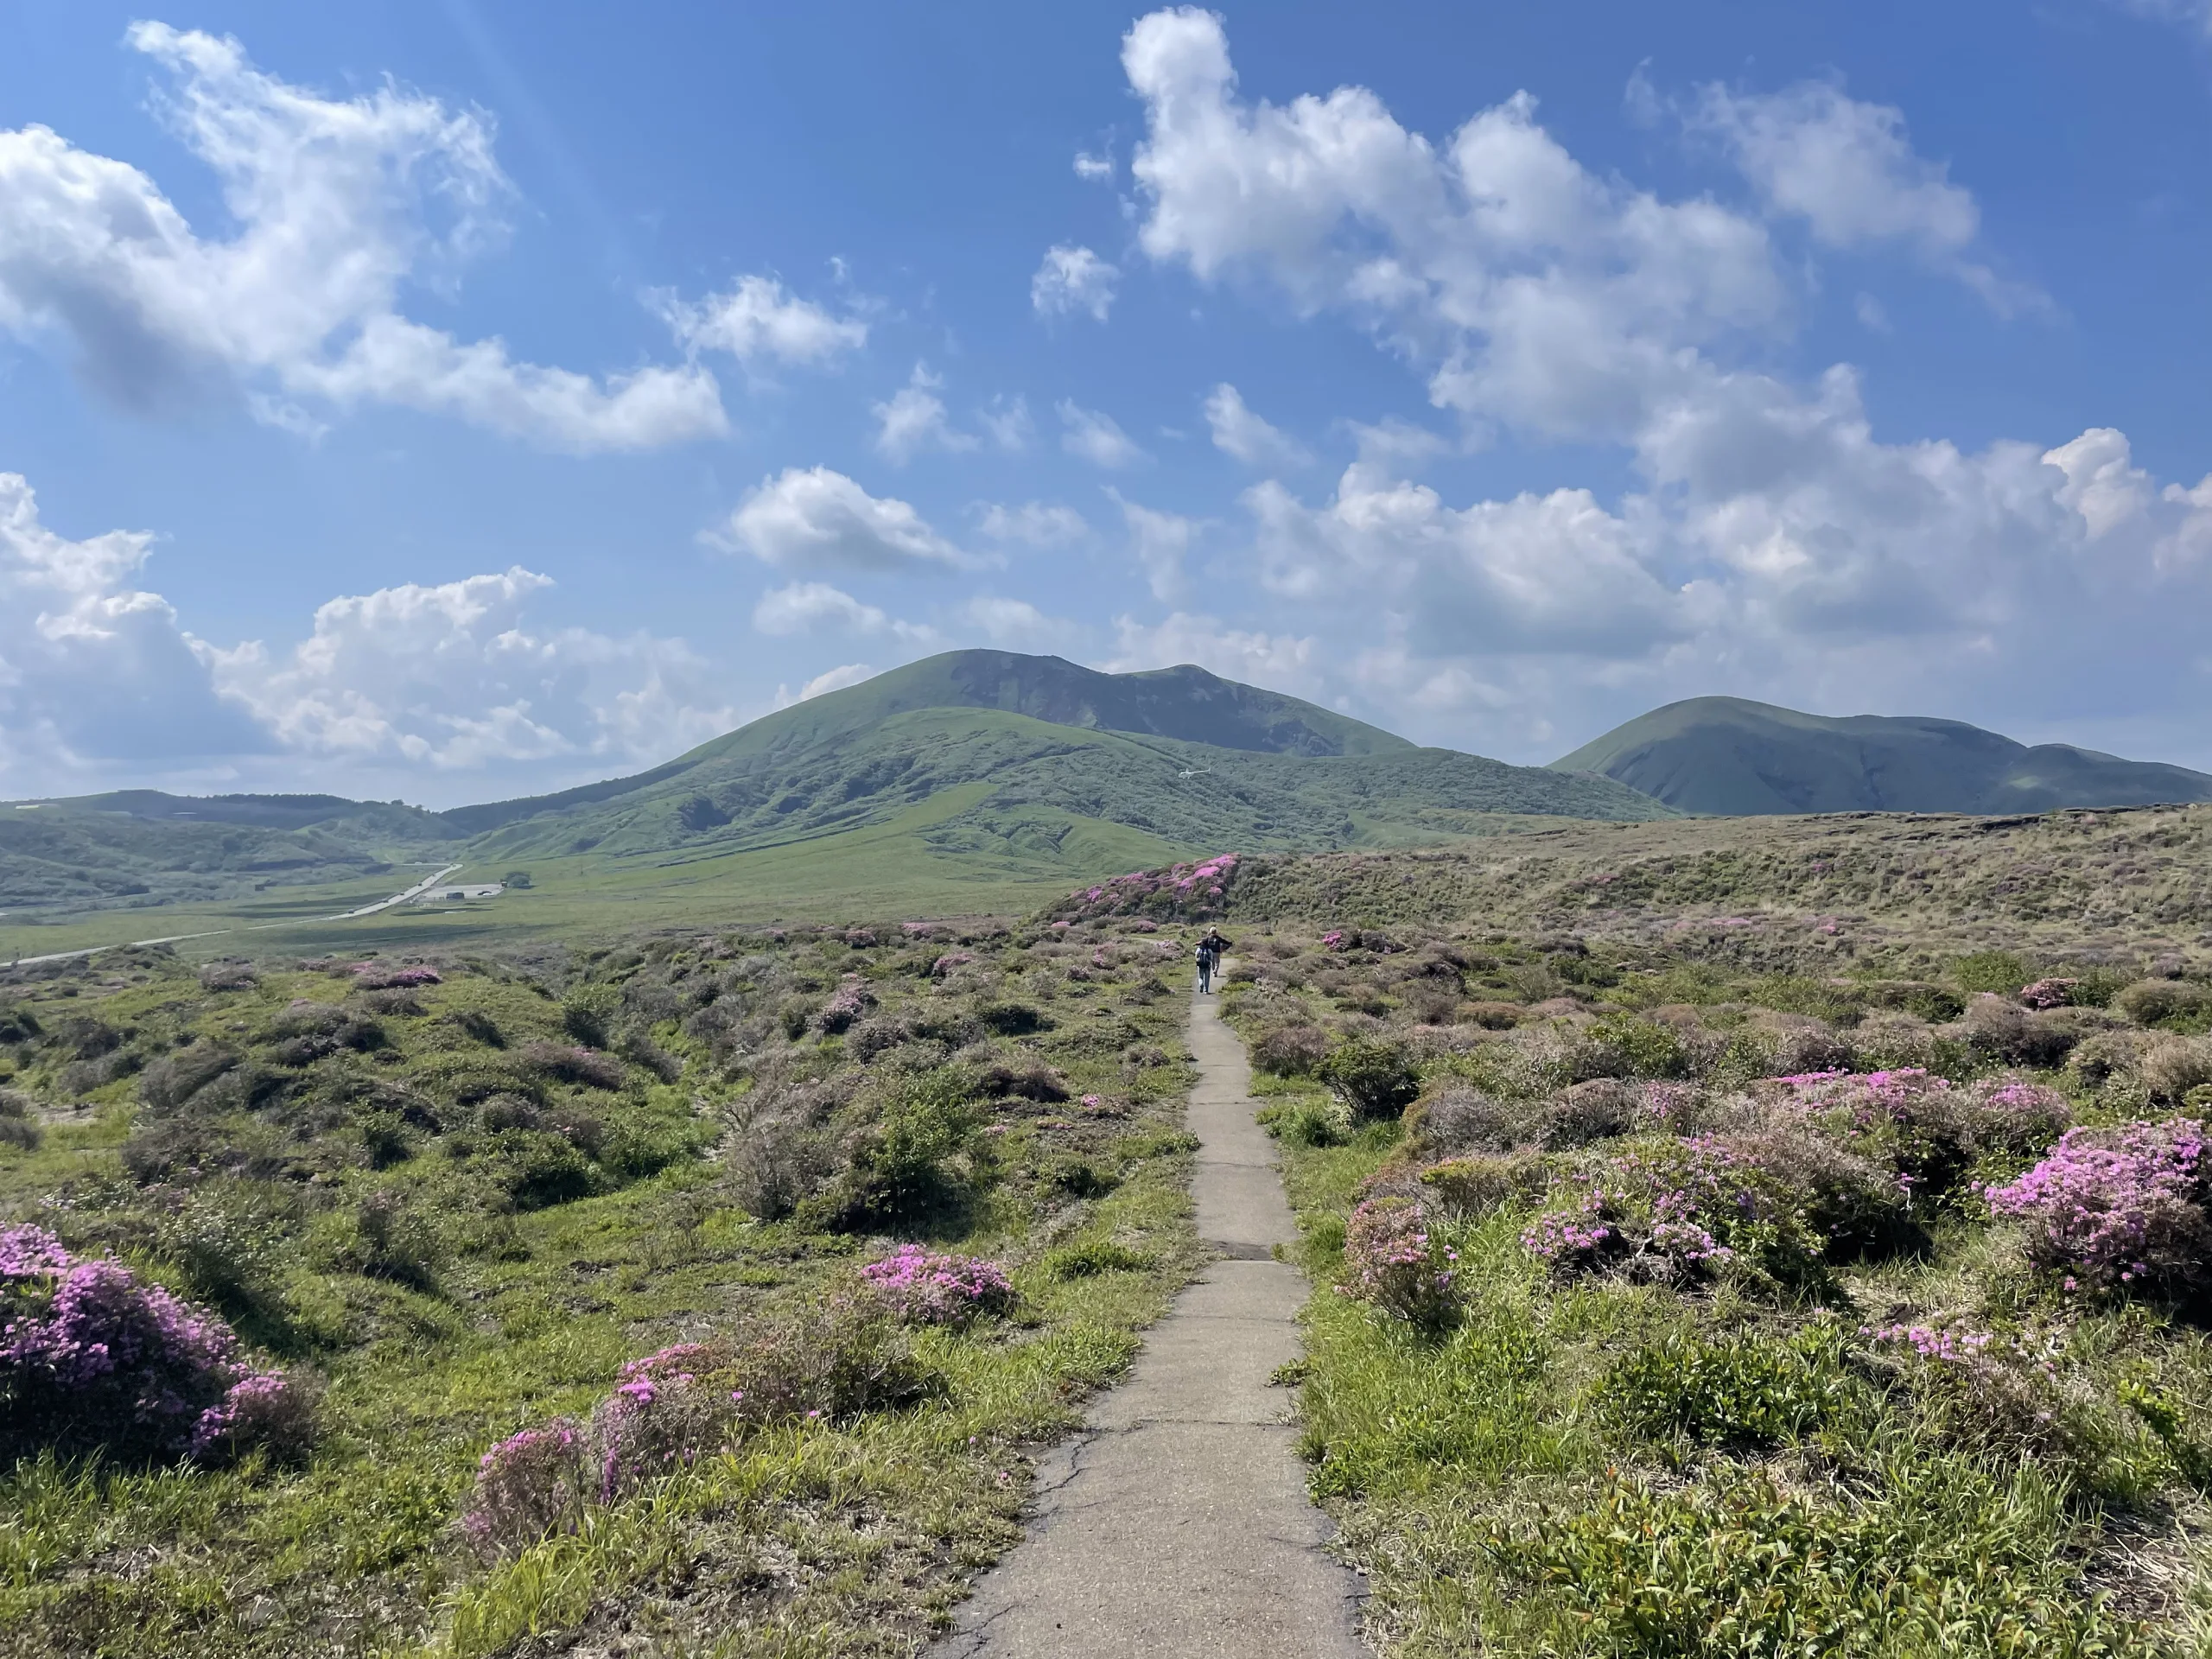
1592,1466
850,1539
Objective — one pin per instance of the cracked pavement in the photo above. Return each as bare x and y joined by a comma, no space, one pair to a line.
1178,1524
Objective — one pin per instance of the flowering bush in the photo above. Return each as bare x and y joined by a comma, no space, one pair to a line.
1394,1263
2118,1210
946,963
951,1290
1196,892
2050,993
2002,1390
812,1363
1679,1209
92,1359
1920,1126
843,1011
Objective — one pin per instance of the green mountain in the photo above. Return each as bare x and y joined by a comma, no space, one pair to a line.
971,768
1183,757
1726,756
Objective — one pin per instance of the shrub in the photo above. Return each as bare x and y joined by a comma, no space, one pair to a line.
1291,1051
923,1288
1491,1016
902,1166
1375,1078
565,1065
539,1169
1669,1211
170,1082
589,1012
1459,1119
1012,1019
528,1486
2172,1067
843,1011
2000,1392
2117,1209
2161,1002
228,977
1395,1265
2008,1032
90,1359
382,976
1746,1393
17,1126
1597,1110
1640,1047
1469,1187
1998,972
1308,1123
2049,993
1093,1257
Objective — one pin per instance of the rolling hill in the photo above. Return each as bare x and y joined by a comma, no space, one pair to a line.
1726,756
950,775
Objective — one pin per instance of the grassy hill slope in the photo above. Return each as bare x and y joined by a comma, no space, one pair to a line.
1727,756
974,781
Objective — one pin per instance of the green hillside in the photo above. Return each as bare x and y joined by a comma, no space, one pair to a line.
970,781
1729,757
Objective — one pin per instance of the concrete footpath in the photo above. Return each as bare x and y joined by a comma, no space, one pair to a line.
1178,1524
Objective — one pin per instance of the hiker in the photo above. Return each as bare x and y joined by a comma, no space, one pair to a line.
1209,952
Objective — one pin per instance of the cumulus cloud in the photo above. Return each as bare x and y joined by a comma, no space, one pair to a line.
757,321
452,676
1768,542
813,517
1160,542
1280,662
913,420
339,204
1016,623
1849,170
1072,279
1237,431
1096,437
1094,169
94,669
1032,524
834,679
816,606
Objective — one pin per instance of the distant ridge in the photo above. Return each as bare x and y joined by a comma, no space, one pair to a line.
1730,757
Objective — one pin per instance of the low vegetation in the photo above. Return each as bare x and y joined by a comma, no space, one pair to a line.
1680,1301
701,1295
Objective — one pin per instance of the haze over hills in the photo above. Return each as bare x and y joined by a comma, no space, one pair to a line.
975,766
1726,756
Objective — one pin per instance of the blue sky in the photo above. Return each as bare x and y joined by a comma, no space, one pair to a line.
442,401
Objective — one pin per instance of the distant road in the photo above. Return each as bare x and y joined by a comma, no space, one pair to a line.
417,891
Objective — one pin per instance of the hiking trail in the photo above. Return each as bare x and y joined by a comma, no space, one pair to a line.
1177,1526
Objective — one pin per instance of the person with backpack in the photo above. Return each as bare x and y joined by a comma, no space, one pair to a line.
1209,952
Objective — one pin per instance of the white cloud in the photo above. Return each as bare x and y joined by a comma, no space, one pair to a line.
1016,623
913,420
1237,431
1094,169
813,517
1849,170
1160,542
816,606
452,676
93,669
1033,523
835,679
338,203
1280,662
1071,279
1096,437
756,320
1008,422
1536,293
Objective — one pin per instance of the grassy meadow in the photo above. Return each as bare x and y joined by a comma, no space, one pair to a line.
1668,1305
454,1195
